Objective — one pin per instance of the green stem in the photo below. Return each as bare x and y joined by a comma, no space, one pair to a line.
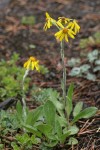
64,72
23,93
64,79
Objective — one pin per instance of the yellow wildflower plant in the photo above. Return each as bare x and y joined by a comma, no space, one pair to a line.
64,33
73,25
63,20
32,64
49,22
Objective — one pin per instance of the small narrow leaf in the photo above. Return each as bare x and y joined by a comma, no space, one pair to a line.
86,113
19,110
77,108
69,99
70,91
19,107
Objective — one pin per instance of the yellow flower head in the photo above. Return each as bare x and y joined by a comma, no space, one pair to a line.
64,33
32,64
73,25
63,20
49,22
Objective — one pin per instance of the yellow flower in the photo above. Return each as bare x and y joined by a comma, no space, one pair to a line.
32,63
49,22
64,33
74,26
63,20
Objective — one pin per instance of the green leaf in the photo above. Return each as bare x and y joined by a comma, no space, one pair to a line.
72,141
35,140
77,108
19,107
69,99
1,146
92,56
97,68
23,139
74,130
28,20
62,121
32,46
44,128
86,113
19,110
15,146
97,62
33,116
49,113
53,96
51,144
73,62
76,71
70,91
58,128
32,129
84,68
64,136
91,76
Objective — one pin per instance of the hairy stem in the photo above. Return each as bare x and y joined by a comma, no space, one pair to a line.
64,72
23,93
64,79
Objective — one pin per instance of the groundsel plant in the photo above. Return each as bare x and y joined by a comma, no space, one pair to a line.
67,28
31,64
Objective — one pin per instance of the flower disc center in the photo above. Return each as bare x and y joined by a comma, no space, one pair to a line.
65,30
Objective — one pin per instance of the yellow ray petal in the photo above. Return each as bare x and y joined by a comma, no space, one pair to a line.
58,33
60,25
33,65
69,25
62,37
25,64
47,15
71,35
66,38
28,64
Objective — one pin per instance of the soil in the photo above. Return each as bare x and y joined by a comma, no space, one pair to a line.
15,37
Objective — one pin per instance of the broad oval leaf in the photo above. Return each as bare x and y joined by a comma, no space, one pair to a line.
49,113
69,106
74,130
86,113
